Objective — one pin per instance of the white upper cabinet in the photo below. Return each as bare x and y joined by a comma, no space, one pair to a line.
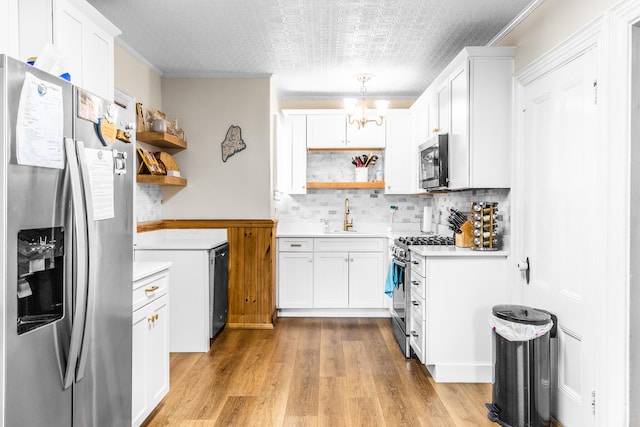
330,130
326,131
292,155
371,135
400,156
79,32
480,95
471,100
441,113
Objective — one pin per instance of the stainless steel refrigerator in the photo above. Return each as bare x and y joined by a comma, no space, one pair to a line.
66,188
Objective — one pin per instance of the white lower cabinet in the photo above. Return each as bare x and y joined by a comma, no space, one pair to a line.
150,344
366,270
295,280
451,302
338,273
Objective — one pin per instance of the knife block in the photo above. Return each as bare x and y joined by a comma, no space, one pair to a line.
465,239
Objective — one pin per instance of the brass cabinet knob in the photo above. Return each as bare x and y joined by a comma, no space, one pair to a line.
152,289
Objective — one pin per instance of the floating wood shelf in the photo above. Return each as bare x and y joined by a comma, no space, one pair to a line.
161,139
347,149
161,180
376,184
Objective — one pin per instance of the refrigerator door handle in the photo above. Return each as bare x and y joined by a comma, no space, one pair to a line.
80,263
92,259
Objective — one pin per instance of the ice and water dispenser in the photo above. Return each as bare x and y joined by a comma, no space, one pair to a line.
40,277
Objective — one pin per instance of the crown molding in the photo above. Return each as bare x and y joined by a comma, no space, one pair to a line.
515,22
136,55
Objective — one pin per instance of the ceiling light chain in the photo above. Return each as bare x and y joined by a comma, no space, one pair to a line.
360,118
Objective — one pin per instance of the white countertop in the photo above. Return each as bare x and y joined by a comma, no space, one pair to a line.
302,234
447,251
182,239
142,269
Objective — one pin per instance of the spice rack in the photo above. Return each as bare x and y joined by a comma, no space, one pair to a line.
484,226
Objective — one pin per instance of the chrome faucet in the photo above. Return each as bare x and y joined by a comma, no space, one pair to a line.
348,223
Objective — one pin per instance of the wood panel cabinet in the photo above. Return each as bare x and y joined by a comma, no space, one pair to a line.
150,344
252,267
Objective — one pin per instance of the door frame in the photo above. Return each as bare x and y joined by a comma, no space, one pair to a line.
612,33
614,368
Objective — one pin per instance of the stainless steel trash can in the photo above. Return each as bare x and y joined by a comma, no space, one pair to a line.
521,389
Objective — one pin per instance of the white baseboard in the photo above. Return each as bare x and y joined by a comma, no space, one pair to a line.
333,312
444,373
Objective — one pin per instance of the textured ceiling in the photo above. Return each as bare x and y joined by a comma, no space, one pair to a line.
313,48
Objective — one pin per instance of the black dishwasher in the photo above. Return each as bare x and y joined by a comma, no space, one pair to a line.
218,288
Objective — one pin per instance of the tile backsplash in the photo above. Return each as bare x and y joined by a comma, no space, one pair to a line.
370,209
148,202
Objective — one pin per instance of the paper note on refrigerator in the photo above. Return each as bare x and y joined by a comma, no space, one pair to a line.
100,166
39,127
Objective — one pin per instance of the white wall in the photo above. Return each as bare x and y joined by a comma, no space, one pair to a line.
239,188
549,24
137,79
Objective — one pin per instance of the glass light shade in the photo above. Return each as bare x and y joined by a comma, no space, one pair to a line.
350,105
381,107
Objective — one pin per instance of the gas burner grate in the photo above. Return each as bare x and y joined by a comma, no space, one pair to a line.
425,241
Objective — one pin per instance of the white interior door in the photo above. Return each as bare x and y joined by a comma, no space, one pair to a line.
559,224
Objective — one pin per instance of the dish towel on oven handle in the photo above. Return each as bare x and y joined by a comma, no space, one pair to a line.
395,278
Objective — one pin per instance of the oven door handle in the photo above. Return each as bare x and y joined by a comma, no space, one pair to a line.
399,263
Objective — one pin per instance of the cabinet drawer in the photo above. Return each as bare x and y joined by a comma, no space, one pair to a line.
349,244
418,309
149,289
417,337
295,245
418,285
418,265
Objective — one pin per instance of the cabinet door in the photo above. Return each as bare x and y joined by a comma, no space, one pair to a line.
400,155
139,373
442,99
150,358
68,33
371,135
433,122
459,132
295,280
326,130
158,360
98,61
331,280
34,26
298,145
366,287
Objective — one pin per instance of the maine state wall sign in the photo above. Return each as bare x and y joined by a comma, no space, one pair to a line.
232,143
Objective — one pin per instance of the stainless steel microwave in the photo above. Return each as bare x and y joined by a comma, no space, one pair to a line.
434,163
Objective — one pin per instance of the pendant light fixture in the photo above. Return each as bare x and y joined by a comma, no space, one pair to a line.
357,114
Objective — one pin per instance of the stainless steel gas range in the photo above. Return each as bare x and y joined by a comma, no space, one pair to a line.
401,265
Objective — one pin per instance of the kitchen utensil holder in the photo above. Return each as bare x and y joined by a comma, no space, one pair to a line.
361,174
484,226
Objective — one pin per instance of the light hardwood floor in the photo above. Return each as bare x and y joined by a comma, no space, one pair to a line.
313,372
